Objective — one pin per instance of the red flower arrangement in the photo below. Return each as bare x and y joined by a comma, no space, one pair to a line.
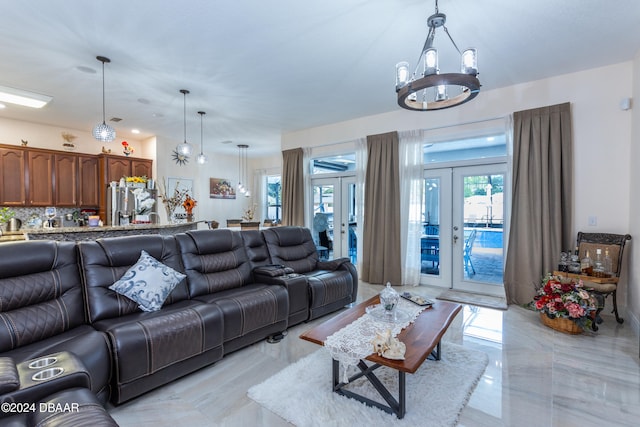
126,148
560,297
189,204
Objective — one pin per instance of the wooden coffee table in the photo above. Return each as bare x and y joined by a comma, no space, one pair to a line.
422,339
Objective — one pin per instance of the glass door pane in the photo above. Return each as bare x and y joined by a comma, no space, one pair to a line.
478,218
435,247
323,216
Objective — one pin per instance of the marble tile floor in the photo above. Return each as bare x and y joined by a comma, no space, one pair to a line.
535,377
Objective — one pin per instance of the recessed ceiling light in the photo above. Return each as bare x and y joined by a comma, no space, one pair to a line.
2,106
136,131
84,69
144,101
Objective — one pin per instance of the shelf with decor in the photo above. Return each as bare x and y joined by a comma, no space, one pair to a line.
586,278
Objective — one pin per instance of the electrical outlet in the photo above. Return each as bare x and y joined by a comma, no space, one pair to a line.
593,220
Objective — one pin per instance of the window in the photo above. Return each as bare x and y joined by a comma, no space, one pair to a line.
274,198
334,164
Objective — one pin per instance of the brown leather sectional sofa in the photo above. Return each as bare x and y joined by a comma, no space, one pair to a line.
240,288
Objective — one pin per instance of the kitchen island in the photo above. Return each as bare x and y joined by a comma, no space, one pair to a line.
93,233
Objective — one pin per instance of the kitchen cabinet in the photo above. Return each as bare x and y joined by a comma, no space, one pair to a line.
141,167
12,177
88,181
40,183
66,180
116,168
40,177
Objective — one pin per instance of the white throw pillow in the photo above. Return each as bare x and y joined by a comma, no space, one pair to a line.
148,282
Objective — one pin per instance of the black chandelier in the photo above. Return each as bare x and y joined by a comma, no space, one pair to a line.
431,90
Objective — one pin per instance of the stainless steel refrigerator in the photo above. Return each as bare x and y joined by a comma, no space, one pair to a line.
131,205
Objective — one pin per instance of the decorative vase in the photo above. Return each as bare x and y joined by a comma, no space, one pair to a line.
189,217
389,299
561,324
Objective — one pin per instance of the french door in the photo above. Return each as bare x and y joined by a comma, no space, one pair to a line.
462,246
333,219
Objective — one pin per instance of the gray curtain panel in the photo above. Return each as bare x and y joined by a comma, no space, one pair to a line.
542,198
293,187
381,260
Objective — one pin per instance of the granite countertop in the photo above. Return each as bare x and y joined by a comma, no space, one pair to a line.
11,236
87,229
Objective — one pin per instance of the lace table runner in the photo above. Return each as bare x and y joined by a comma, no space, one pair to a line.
353,342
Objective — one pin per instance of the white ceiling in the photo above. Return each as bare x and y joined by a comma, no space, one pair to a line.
262,68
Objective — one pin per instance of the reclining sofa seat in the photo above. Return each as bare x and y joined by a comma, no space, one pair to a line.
332,284
264,271
219,273
150,349
42,312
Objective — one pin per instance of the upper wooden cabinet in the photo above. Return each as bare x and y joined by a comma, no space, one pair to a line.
141,167
38,177
66,180
40,182
13,190
88,181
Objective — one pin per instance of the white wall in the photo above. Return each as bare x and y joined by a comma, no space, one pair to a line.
218,166
601,135
50,137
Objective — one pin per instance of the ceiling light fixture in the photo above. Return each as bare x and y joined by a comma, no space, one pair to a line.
23,97
202,158
431,90
103,132
242,170
184,149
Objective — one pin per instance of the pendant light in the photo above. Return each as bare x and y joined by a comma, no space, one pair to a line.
202,158
427,89
184,148
242,170
103,132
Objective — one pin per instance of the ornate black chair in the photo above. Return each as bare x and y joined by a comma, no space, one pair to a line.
614,245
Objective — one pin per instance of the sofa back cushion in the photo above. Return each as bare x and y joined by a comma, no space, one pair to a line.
104,261
292,247
40,291
214,260
256,248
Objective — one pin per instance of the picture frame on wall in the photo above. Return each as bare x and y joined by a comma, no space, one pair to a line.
221,188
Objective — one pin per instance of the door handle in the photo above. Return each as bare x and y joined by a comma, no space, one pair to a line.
455,239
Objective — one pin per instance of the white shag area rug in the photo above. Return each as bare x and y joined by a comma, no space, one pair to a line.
435,395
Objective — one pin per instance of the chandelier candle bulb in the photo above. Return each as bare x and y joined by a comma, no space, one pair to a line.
402,74
470,61
431,61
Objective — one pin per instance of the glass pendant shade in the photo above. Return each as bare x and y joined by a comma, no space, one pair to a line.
103,132
201,159
184,148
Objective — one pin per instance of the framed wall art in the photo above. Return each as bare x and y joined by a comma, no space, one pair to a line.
221,188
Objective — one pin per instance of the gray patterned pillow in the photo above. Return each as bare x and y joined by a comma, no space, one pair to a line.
148,282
